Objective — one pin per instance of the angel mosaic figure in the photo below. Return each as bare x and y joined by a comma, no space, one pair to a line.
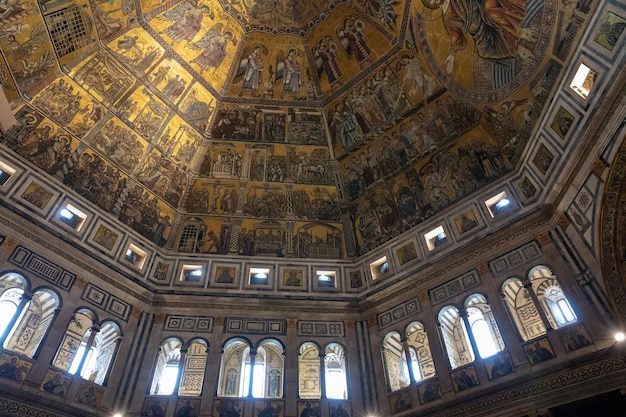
251,69
288,68
325,53
187,20
351,36
213,46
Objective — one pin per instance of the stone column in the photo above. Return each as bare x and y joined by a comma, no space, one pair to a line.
181,369
252,362
88,345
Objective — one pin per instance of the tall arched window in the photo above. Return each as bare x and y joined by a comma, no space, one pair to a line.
167,367
455,337
231,368
309,371
88,349
269,368
99,356
33,324
335,375
422,364
551,296
483,326
74,345
193,369
522,309
9,302
395,361
12,287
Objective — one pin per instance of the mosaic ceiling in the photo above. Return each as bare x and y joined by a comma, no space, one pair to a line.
276,127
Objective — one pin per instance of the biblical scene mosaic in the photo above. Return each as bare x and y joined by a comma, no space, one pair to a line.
297,129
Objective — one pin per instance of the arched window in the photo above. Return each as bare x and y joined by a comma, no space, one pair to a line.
86,349
33,324
167,367
74,345
9,301
98,357
269,370
422,364
12,287
522,309
309,371
395,362
483,326
231,381
193,369
335,372
455,337
551,296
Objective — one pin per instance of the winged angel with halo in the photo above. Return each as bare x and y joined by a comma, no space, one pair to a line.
251,69
213,46
187,18
288,69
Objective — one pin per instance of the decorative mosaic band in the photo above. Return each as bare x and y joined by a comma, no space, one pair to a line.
453,287
255,326
31,262
398,313
106,301
189,323
527,252
321,328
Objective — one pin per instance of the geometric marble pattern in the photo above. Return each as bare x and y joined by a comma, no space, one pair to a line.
189,323
255,326
320,328
106,301
518,256
453,287
397,313
43,268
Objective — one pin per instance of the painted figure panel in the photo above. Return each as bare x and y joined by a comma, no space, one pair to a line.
40,141
104,78
13,367
305,127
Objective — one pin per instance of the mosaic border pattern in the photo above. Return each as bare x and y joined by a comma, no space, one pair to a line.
35,264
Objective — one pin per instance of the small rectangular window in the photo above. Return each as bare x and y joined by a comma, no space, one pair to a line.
191,273
435,238
379,268
326,279
5,173
259,276
499,203
135,256
72,216
583,81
